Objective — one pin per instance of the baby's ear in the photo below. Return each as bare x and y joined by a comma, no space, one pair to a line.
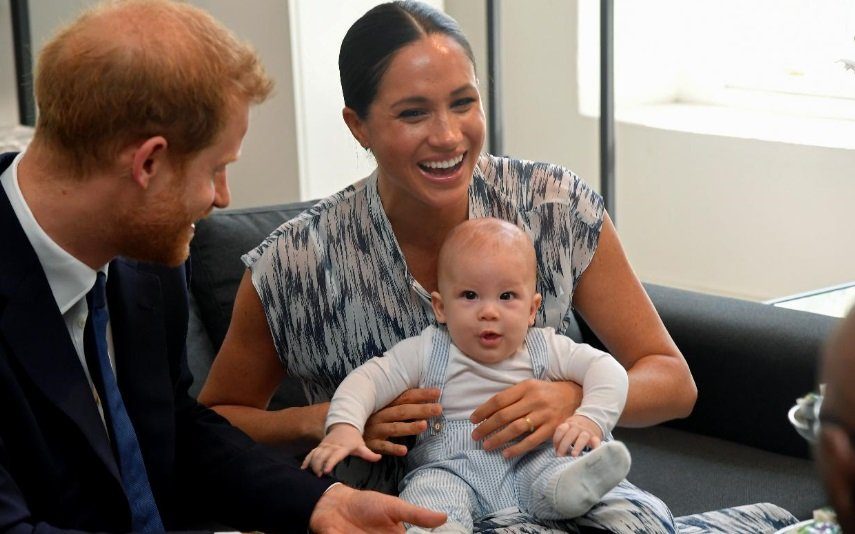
535,305
438,307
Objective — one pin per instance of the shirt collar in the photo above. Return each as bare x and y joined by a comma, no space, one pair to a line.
69,278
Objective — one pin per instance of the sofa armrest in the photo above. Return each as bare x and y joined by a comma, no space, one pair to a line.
751,361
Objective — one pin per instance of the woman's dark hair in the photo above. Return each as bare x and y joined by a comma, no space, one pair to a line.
372,41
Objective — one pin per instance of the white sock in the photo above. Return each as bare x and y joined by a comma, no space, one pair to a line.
585,481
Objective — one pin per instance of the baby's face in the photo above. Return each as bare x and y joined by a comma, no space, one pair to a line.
488,301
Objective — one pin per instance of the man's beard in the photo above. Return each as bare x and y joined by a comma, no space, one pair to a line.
162,237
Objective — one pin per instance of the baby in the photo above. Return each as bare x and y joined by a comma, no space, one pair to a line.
484,343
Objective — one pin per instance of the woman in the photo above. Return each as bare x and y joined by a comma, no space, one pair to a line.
349,278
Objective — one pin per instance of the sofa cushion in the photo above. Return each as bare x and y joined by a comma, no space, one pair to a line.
692,473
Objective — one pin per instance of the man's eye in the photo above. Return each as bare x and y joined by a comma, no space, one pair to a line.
470,295
463,102
507,295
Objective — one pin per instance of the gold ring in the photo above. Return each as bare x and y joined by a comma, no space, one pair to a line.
530,425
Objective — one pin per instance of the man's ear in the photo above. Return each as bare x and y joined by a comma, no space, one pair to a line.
356,126
148,158
438,307
535,305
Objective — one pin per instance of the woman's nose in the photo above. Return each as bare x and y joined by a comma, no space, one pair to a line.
446,132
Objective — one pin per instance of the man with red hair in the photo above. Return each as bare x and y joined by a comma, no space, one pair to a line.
143,104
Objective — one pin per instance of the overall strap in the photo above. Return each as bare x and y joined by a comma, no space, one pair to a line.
435,372
535,342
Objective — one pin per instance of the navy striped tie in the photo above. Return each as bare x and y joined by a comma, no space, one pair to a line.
144,514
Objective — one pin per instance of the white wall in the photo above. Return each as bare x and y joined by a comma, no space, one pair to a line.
268,170
731,216
329,157
8,94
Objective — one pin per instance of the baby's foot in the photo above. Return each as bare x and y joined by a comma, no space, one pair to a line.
585,481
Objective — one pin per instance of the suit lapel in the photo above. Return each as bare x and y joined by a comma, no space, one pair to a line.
136,319
36,335
142,370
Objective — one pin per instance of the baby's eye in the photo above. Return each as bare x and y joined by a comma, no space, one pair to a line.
470,295
507,295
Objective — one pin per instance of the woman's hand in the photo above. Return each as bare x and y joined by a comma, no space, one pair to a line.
405,416
532,407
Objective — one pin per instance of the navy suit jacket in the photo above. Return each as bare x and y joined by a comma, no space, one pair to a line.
57,469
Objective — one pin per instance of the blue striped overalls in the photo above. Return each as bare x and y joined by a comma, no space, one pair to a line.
449,471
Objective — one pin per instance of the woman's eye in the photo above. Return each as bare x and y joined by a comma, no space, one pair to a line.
411,114
507,295
470,295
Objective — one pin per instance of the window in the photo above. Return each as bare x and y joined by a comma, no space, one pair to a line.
793,55
786,56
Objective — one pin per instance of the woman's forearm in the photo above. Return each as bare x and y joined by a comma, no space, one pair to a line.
660,388
302,425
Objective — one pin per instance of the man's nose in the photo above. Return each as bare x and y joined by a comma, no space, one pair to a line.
222,194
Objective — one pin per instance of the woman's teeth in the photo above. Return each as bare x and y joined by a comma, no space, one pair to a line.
439,166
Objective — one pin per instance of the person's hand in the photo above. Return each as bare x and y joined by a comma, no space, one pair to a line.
578,432
405,416
341,441
532,408
344,510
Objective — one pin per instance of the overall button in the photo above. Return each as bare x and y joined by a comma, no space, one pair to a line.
437,426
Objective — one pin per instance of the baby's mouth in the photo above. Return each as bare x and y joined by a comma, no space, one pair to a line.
490,336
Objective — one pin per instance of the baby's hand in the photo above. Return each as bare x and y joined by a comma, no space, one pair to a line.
342,440
577,431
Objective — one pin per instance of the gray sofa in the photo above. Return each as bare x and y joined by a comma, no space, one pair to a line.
750,361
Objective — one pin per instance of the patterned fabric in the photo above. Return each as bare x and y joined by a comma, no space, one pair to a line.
755,518
448,471
336,289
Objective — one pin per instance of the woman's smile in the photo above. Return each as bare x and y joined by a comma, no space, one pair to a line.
443,170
